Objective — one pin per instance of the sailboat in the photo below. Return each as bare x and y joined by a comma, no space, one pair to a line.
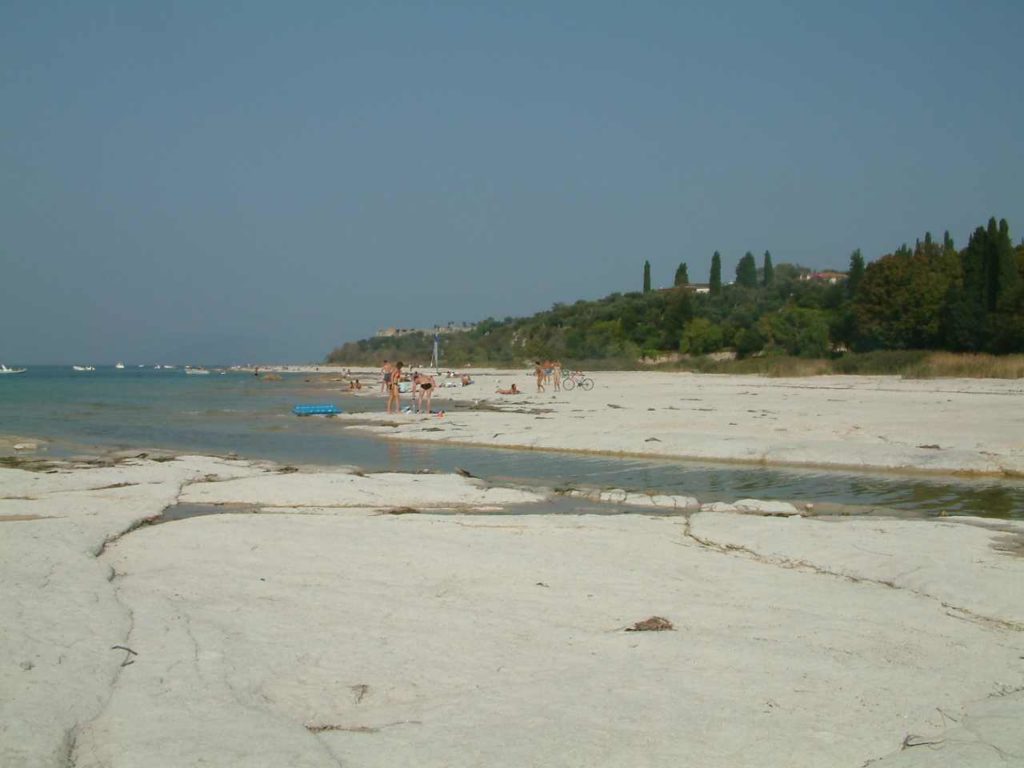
5,369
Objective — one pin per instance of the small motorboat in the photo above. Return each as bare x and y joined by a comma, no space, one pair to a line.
83,368
5,369
119,366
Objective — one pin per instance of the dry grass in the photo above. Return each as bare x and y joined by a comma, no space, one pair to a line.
967,366
910,364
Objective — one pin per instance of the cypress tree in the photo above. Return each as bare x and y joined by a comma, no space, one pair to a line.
1005,264
746,271
990,280
682,275
716,274
768,276
647,277
856,272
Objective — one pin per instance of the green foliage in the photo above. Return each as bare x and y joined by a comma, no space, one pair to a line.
856,272
748,341
701,337
746,271
899,302
983,312
930,297
716,274
682,275
797,331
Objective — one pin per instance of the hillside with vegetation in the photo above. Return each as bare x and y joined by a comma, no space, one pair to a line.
926,297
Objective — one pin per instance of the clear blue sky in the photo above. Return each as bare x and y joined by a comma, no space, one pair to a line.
199,181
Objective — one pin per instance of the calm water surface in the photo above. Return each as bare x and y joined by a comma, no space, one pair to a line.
238,413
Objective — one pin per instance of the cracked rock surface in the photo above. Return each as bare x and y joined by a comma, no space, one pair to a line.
321,632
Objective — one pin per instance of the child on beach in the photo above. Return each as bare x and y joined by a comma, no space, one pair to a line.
385,376
538,371
394,394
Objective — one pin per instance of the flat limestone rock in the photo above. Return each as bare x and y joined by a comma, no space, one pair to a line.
951,560
766,507
394,640
340,489
877,422
336,634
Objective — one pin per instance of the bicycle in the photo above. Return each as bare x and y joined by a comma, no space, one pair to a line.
573,379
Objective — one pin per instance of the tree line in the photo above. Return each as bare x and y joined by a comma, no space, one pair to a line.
929,296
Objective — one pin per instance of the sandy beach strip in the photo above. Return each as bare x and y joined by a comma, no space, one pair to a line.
944,426
332,617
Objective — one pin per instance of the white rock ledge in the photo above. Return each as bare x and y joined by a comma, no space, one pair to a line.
365,639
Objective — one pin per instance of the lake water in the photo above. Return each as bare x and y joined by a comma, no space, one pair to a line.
238,413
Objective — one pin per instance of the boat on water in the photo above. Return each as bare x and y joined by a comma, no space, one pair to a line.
197,371
5,369
119,365
83,367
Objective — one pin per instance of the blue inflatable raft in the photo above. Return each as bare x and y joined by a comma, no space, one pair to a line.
324,409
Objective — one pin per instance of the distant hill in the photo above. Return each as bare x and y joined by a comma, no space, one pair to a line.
928,297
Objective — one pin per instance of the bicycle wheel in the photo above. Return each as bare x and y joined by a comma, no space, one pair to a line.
587,384
568,384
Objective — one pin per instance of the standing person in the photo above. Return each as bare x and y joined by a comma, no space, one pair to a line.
385,376
538,371
423,387
394,394
556,368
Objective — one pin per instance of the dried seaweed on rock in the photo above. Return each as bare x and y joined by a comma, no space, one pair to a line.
653,624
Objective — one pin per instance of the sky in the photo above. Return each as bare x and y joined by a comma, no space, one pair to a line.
213,182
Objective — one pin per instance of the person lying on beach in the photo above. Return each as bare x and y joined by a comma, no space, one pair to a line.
423,389
466,381
513,390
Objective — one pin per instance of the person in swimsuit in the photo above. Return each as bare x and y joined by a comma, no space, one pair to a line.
423,390
385,376
394,394
513,390
538,370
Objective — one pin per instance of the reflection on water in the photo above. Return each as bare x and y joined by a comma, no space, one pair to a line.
243,415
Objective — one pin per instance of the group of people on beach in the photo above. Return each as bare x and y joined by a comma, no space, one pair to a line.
392,376
547,372
391,379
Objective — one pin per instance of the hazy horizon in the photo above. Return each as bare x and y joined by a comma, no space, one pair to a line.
207,184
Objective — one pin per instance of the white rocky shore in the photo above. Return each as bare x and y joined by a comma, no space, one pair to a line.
331,618
970,426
